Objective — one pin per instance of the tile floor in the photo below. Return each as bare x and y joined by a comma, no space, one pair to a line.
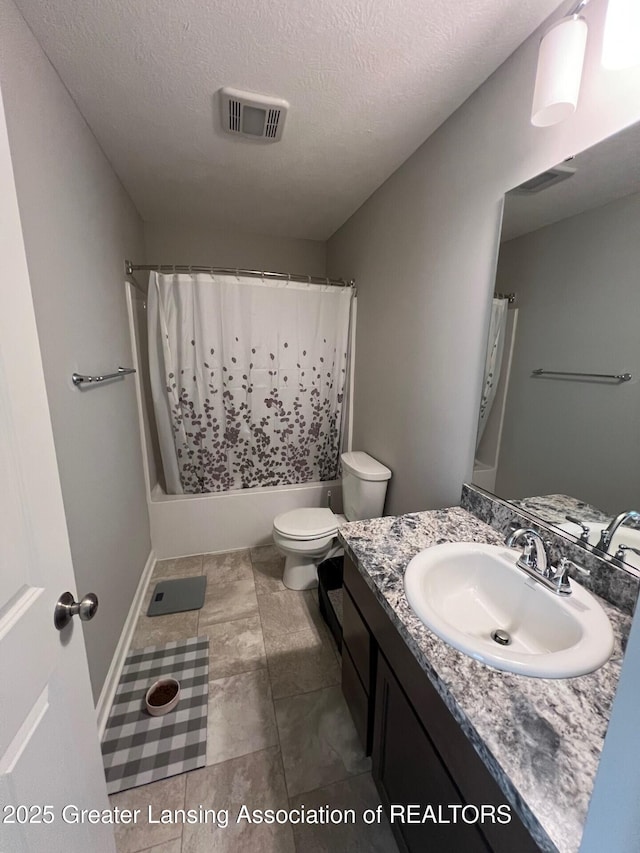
279,732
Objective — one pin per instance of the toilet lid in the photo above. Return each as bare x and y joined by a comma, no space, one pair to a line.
308,523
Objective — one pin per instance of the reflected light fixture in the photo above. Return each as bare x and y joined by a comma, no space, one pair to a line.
560,61
621,45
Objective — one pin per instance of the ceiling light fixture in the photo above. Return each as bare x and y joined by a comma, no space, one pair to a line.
559,74
621,45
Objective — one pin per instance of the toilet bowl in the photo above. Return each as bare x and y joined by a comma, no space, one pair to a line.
308,536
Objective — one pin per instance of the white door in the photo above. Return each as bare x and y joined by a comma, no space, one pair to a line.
49,750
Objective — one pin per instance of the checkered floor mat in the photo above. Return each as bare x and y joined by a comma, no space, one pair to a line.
138,748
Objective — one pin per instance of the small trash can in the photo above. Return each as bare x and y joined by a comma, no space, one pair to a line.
330,573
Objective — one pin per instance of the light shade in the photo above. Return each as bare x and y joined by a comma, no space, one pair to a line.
560,62
621,45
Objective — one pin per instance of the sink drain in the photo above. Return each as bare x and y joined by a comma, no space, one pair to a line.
502,638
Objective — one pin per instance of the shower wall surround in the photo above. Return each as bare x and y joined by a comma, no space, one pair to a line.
618,586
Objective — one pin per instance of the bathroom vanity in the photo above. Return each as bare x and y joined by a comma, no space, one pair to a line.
445,730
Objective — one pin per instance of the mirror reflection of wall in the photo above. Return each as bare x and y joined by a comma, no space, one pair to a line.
571,254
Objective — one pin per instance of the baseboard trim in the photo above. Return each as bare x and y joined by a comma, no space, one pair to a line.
117,662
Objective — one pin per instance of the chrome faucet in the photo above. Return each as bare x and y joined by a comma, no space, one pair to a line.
607,534
534,554
535,563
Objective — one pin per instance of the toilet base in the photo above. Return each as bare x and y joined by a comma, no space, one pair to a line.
300,573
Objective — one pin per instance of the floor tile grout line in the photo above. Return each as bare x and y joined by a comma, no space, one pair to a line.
156,846
324,633
246,672
226,621
233,619
306,692
227,582
173,576
331,784
239,672
302,692
275,716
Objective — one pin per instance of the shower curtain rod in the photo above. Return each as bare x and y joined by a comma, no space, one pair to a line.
283,276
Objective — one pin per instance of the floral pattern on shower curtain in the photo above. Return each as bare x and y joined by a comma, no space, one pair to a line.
248,380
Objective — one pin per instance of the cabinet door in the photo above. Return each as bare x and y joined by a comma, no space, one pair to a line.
357,701
407,770
356,637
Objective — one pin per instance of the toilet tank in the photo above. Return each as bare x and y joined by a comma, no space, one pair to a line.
364,485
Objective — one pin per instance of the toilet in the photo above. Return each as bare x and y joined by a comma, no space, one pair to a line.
307,536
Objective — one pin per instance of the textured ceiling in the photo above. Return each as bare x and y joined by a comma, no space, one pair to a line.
368,81
605,172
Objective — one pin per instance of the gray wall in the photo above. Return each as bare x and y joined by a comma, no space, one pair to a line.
78,225
577,284
423,251
204,245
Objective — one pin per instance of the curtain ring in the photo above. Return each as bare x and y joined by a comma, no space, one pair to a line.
211,272
308,279
190,271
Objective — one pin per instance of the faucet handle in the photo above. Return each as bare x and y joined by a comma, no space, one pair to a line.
561,575
623,548
586,530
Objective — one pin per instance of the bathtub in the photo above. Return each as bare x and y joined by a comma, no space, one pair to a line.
226,521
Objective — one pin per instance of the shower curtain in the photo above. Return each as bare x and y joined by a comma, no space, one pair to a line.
493,362
248,379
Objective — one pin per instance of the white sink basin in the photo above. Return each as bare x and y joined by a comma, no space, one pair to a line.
465,591
623,536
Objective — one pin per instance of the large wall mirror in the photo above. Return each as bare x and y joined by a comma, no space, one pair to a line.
566,441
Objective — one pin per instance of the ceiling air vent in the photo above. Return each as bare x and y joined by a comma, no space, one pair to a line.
546,179
252,116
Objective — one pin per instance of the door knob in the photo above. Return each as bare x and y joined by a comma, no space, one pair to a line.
66,608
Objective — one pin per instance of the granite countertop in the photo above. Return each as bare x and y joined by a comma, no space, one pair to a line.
556,508
543,747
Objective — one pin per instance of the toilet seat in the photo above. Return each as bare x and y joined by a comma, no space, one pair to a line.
306,524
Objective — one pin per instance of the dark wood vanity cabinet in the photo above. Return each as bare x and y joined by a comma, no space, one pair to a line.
420,755
358,670
407,769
